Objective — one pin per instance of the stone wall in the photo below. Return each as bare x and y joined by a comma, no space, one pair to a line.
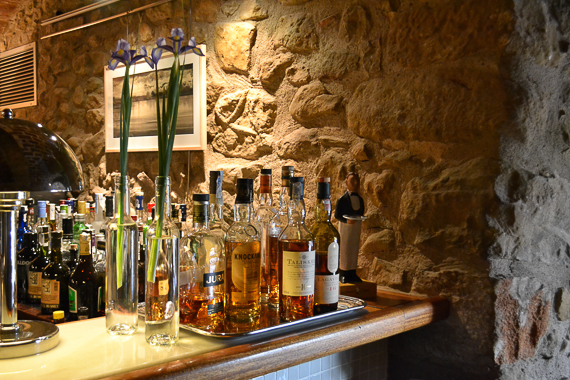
415,95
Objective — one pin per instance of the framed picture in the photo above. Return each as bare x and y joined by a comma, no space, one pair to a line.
191,125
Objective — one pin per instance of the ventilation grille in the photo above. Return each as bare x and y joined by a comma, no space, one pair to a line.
18,77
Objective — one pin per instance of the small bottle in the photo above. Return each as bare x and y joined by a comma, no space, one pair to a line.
243,259
25,258
109,209
42,216
202,267
327,240
263,216
36,269
83,289
55,279
218,225
297,260
52,217
58,316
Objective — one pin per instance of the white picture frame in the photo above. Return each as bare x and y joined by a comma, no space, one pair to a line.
192,109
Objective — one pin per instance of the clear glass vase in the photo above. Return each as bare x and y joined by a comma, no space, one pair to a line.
121,272
162,315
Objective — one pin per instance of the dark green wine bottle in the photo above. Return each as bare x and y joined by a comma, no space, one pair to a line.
55,280
36,270
83,282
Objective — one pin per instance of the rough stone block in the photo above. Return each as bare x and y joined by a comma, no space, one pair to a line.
312,102
233,42
297,33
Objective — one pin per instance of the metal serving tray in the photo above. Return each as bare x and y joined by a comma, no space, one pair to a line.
269,320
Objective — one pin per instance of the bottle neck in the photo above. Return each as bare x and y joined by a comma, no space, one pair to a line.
122,203
296,211
200,215
265,199
242,212
55,252
162,189
284,197
216,208
323,210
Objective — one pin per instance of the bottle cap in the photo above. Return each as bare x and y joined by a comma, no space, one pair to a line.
297,187
55,238
323,188
81,207
58,314
287,172
139,202
67,226
265,181
216,182
108,205
30,202
73,246
244,190
201,197
266,171
42,209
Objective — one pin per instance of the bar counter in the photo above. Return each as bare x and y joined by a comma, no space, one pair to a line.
87,351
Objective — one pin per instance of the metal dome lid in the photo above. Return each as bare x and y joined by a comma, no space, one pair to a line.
34,159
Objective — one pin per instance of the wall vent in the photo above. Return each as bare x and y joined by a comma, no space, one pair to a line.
18,77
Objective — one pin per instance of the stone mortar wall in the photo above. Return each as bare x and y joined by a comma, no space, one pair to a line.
531,256
414,96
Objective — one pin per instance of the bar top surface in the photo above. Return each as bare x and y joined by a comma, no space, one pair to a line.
87,351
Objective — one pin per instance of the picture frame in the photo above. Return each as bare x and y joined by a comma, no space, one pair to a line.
191,124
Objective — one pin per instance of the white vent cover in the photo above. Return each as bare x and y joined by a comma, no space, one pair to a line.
18,77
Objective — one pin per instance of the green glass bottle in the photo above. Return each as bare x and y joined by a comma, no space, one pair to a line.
83,288
55,280
37,267
327,240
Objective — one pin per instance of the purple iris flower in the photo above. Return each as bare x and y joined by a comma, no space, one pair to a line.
125,55
154,57
177,36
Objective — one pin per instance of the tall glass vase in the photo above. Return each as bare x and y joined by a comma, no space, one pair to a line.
162,315
121,272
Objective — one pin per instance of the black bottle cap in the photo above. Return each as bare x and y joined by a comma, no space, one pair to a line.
216,180
244,190
30,238
299,183
30,202
323,188
109,205
201,197
287,172
173,211
266,171
67,226
55,235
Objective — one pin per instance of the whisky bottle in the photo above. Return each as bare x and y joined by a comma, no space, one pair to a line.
36,270
25,258
297,260
263,216
83,289
327,240
276,226
218,225
202,267
243,259
55,280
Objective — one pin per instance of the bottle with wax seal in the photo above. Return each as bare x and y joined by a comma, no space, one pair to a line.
243,259
327,240
296,260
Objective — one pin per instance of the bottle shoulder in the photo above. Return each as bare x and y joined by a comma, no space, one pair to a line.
242,231
296,232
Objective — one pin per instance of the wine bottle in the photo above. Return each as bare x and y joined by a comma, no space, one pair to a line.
297,260
25,258
55,280
327,240
202,270
243,259
83,289
37,267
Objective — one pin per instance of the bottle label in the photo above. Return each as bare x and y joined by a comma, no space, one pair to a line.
163,287
298,273
35,285
22,262
215,308
213,279
84,247
326,289
332,257
72,300
246,263
50,293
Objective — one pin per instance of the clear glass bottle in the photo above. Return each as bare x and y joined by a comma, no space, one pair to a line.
99,216
121,281
83,289
55,280
25,257
327,240
36,269
202,272
162,316
263,216
275,227
42,216
243,259
218,225
52,217
297,260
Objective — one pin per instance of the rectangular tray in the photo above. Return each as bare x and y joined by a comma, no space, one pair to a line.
269,320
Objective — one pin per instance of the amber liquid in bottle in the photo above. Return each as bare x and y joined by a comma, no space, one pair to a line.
294,307
273,268
243,300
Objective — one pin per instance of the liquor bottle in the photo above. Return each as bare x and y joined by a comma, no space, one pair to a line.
275,227
36,269
55,280
83,289
82,208
22,227
73,257
327,240
202,267
175,216
139,213
25,258
109,209
52,217
263,216
243,259
296,260
100,271
218,225
79,224
42,216
142,246
30,203
99,212
67,229
185,226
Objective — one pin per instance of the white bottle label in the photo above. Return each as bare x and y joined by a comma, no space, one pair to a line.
332,263
298,273
326,289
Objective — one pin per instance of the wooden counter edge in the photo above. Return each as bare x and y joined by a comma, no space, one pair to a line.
250,360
